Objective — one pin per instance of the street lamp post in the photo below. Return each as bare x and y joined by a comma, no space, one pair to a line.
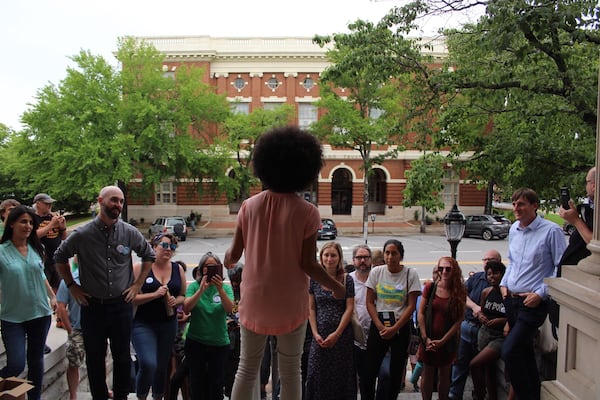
455,223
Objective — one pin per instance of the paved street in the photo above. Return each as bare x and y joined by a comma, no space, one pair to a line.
421,251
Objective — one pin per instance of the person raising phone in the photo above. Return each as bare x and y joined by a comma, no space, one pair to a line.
581,216
207,340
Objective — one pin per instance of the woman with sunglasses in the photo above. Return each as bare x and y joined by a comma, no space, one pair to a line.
207,340
441,310
155,321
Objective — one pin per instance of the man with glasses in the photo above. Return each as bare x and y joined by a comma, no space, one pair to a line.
469,327
361,259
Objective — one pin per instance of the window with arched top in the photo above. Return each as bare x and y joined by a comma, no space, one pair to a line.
377,191
341,192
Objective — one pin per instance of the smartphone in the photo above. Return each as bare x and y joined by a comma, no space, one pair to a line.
565,196
212,270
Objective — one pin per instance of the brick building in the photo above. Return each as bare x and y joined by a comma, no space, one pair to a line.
265,73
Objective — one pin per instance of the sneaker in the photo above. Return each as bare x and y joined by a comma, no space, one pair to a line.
47,349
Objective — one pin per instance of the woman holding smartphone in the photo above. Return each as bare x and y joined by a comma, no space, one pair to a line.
155,321
207,340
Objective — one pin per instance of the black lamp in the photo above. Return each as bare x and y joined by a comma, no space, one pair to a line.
455,223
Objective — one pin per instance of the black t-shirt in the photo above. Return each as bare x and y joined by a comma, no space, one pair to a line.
577,249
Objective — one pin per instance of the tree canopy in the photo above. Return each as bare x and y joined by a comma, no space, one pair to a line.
101,125
366,92
522,89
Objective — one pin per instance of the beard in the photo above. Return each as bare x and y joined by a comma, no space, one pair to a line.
112,213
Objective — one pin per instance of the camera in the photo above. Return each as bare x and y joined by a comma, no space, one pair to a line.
565,196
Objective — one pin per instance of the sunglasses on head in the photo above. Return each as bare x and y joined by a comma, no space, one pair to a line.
166,245
441,269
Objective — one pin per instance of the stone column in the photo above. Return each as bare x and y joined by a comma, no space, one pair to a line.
578,293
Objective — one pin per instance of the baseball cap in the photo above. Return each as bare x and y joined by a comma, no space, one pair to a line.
43,197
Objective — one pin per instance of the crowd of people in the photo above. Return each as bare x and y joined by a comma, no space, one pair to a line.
209,338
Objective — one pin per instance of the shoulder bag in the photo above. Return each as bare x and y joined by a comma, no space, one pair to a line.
359,334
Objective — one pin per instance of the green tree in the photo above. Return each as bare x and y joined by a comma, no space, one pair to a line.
8,182
376,65
522,89
240,133
100,125
70,145
167,120
424,185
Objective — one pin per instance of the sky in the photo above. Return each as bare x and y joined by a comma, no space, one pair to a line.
40,36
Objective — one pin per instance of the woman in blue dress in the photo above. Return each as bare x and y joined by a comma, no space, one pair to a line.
331,374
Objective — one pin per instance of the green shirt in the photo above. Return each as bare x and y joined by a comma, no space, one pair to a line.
208,322
24,294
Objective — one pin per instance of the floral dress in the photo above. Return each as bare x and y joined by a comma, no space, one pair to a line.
331,374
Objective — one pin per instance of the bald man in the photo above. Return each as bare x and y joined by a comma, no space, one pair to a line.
470,326
582,218
104,248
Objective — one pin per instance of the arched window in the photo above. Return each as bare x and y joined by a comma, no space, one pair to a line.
341,192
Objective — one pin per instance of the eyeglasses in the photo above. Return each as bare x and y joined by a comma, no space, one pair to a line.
166,246
362,257
441,269
489,259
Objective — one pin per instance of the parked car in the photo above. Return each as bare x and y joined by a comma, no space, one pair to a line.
175,225
327,230
487,226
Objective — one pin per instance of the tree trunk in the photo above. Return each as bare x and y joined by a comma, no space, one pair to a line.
366,206
489,198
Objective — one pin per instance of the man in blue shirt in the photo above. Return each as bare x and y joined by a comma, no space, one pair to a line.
469,328
535,248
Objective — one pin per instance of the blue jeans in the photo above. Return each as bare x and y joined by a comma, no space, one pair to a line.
101,323
207,369
517,350
14,335
467,350
153,343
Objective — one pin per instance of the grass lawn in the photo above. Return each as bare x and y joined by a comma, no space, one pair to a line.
554,218
77,219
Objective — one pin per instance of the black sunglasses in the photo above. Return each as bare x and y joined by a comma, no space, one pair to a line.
441,269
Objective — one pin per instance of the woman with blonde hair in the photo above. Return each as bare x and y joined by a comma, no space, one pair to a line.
441,311
333,340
